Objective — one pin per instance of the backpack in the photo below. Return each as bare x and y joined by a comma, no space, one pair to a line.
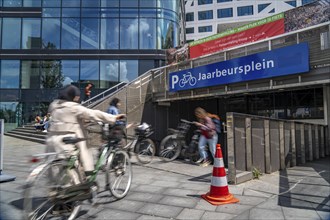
217,122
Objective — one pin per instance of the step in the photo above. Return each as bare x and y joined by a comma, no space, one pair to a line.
243,176
30,131
28,138
29,134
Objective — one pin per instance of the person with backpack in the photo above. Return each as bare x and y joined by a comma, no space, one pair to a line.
208,136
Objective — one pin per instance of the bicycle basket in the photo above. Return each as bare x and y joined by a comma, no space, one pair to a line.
114,133
143,130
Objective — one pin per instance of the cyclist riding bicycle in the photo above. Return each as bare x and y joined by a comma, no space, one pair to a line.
68,121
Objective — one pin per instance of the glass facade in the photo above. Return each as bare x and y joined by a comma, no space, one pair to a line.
78,41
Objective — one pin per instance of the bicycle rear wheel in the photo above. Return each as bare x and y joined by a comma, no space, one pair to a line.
170,148
40,192
119,174
145,151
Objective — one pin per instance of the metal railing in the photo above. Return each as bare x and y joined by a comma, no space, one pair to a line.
269,145
103,95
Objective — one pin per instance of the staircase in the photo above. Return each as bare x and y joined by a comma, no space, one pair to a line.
28,132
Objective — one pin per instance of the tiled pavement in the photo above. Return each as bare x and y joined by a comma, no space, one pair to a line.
172,191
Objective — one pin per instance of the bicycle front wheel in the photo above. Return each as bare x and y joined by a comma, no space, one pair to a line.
119,174
40,201
170,148
145,151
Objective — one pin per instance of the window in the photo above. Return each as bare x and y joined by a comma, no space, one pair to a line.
272,11
70,33
245,10
51,3
292,3
90,3
148,3
89,71
304,2
12,3
31,38
129,3
50,74
70,71
205,15
190,30
262,7
71,3
220,1
147,33
32,3
11,33
129,38
110,3
190,16
128,70
205,29
109,39
109,73
51,33
9,74
30,74
204,2
90,33
225,13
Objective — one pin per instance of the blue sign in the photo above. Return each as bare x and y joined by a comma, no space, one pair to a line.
279,62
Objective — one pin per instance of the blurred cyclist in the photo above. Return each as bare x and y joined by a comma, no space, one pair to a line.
68,121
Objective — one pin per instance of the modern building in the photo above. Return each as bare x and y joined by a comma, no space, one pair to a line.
45,44
208,17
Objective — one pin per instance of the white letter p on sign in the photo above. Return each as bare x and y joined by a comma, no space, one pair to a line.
175,80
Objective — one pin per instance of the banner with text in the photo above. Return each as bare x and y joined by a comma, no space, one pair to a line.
279,62
255,31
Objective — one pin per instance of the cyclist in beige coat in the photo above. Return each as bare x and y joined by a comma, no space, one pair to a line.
67,120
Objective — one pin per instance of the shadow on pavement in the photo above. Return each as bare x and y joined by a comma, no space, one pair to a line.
306,186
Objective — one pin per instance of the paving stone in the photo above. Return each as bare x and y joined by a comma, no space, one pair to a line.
256,213
139,196
160,210
204,205
243,216
150,189
181,192
293,213
151,217
217,215
250,200
251,192
190,214
179,201
324,215
234,208
126,205
113,214
165,184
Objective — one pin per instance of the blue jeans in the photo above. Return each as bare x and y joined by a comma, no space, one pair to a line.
212,142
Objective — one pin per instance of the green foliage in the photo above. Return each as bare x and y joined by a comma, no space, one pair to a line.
256,173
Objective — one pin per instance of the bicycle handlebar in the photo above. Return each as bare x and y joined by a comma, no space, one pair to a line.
185,121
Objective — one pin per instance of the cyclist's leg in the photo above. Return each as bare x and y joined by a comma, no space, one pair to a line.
86,158
201,147
212,144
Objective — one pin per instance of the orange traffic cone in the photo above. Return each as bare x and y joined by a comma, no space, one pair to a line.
219,193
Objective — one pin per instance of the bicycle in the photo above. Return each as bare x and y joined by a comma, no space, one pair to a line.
174,144
56,187
143,146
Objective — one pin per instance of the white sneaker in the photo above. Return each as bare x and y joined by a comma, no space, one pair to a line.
199,160
45,131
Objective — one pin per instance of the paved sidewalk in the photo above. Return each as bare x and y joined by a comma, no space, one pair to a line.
172,191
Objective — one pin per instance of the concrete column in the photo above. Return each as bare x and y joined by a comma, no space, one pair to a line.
282,145
327,141
231,148
317,142
302,144
322,141
310,142
326,107
293,144
248,144
267,146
